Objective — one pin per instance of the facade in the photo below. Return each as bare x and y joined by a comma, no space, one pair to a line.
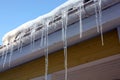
87,59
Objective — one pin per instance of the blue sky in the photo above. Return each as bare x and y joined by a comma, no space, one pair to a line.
16,12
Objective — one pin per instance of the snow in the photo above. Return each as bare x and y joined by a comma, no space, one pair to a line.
19,32
14,34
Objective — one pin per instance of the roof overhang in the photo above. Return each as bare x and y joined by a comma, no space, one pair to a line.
110,20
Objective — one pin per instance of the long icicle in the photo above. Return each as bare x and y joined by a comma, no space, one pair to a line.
80,18
21,42
46,49
100,20
3,53
2,56
11,53
98,15
42,38
64,38
5,58
18,46
33,37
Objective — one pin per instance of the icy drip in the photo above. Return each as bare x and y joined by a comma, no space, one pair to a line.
53,23
98,15
100,21
18,46
33,36
80,18
11,53
42,37
3,52
64,38
20,42
46,49
5,56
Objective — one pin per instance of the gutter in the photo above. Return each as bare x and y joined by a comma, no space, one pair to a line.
111,19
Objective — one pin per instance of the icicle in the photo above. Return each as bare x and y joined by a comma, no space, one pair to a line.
42,37
21,41
11,53
98,13
18,44
46,49
33,36
100,19
53,23
80,17
5,58
3,52
64,38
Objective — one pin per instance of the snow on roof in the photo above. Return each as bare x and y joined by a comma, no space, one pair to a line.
12,35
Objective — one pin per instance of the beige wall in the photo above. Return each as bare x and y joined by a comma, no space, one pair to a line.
84,52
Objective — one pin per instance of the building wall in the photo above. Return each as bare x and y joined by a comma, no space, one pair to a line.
80,53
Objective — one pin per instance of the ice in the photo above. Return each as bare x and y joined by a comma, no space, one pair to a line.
3,52
100,20
64,38
80,17
64,30
20,42
42,38
54,23
33,36
11,53
5,55
46,48
98,14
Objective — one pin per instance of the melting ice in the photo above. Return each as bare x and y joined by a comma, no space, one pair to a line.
98,15
46,48
64,38
5,55
80,17
11,53
33,36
